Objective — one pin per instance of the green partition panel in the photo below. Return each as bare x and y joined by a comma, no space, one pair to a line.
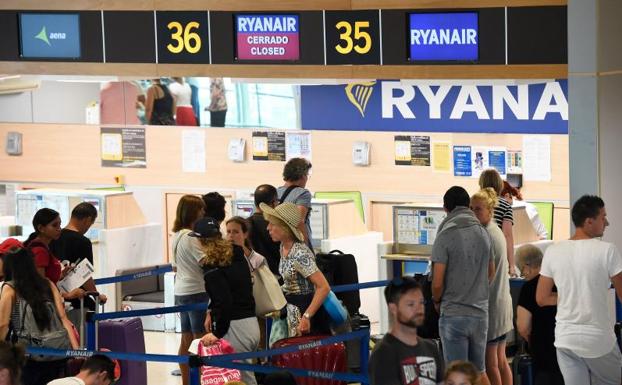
545,212
351,195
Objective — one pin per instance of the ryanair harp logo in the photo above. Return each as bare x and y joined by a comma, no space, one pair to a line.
359,94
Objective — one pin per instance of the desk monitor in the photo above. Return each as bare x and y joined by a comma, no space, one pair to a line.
415,228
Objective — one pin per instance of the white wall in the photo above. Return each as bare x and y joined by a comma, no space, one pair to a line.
53,102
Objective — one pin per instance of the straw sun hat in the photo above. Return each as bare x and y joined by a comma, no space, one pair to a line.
288,213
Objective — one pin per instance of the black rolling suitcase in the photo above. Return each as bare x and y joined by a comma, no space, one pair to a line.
341,269
522,365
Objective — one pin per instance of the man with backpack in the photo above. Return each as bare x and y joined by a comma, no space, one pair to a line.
296,176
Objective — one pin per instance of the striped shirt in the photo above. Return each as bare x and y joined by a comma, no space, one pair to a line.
503,211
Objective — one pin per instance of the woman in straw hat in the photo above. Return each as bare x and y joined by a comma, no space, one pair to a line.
228,282
304,285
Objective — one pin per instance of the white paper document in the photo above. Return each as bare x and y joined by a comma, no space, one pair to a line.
193,150
537,158
76,277
298,145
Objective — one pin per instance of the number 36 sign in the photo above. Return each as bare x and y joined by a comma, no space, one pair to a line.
183,37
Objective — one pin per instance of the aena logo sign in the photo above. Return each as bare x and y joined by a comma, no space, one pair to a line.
359,93
43,36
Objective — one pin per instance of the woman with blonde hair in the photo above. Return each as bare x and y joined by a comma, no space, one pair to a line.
499,300
504,216
189,286
304,286
228,282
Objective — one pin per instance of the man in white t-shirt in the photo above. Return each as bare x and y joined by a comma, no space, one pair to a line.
96,370
582,268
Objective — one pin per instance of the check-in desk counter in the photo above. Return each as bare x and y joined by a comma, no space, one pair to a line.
121,237
334,218
336,224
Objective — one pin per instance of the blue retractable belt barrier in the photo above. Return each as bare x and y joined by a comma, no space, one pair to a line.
133,276
358,286
117,355
227,361
286,349
146,312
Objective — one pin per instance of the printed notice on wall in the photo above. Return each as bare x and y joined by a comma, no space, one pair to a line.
412,150
496,160
193,150
441,156
298,145
537,158
515,162
123,147
479,160
462,161
269,145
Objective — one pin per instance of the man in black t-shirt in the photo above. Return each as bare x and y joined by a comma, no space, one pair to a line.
401,357
73,246
534,323
260,239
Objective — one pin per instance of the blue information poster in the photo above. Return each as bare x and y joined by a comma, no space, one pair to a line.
462,161
496,160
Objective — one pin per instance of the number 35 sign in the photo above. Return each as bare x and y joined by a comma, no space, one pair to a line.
352,37
182,37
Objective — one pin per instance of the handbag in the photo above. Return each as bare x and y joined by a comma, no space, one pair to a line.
211,375
267,292
279,330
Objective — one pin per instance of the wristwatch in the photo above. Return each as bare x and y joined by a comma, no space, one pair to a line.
307,315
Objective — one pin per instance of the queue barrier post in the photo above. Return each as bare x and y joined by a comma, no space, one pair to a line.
91,331
194,374
364,358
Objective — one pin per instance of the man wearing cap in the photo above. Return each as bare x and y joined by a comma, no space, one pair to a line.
296,176
304,285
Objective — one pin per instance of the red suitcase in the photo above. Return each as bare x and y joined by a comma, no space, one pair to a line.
125,335
329,358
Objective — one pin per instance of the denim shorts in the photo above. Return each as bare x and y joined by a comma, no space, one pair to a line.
464,338
192,321
495,341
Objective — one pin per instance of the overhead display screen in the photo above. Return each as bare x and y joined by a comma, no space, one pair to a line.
443,37
352,37
267,37
49,35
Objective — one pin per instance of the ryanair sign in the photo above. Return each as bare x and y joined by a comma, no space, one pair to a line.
438,106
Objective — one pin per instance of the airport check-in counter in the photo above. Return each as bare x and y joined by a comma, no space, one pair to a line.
121,237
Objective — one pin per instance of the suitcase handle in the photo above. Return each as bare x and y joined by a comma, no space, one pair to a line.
95,296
